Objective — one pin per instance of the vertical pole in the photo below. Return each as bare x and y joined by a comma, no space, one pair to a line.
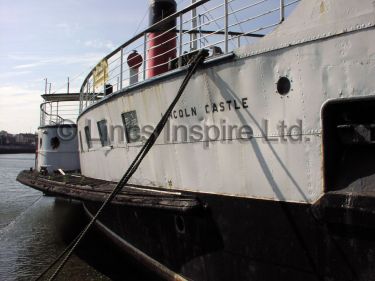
200,31
121,66
144,55
49,88
282,11
45,86
41,116
88,92
238,41
133,73
80,101
50,113
180,42
68,86
57,111
193,36
226,26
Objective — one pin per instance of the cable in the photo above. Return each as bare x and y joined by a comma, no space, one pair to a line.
58,258
196,61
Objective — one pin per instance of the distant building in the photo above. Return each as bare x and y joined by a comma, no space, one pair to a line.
3,135
21,139
26,139
6,138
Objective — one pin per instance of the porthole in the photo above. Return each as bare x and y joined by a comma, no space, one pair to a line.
180,224
55,142
283,86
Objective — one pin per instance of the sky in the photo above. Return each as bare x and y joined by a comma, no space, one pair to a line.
55,39
58,39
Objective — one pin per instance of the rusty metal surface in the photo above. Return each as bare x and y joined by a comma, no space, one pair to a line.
88,189
140,256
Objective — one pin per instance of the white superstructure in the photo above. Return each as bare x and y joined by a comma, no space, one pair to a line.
57,146
276,86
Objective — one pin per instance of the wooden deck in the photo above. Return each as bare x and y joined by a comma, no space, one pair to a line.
76,186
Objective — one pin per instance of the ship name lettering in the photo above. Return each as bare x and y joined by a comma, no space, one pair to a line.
182,113
227,105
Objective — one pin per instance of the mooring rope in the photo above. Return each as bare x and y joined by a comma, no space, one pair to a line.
196,61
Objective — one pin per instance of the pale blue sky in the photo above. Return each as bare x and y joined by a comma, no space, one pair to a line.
55,39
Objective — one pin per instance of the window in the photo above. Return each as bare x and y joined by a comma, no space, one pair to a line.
103,133
88,136
55,143
80,141
132,130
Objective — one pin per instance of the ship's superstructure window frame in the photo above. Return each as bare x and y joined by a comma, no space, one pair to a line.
131,126
88,137
80,141
103,132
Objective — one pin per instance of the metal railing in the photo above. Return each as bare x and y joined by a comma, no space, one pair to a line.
58,113
218,25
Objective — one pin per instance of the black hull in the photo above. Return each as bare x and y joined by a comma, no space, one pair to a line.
212,237
245,239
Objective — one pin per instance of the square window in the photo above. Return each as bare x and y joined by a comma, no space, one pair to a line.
103,132
132,130
80,141
88,137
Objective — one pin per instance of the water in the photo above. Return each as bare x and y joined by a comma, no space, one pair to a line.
34,229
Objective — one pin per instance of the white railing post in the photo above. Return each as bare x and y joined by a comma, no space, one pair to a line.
180,42
144,55
41,115
50,112
226,26
282,11
121,66
57,108
80,101
193,36
88,93
45,86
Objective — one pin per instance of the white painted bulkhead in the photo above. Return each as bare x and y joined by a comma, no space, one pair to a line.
326,50
58,148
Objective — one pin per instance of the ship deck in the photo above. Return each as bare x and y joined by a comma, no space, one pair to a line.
77,186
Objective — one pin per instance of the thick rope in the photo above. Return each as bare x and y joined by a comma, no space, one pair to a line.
198,59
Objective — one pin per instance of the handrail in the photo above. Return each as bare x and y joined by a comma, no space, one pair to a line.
148,30
51,115
213,28
56,118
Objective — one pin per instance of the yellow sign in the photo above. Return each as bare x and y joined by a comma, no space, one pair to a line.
100,73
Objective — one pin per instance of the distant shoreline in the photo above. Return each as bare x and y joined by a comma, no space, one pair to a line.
16,149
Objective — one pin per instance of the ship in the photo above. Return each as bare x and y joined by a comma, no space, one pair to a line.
265,166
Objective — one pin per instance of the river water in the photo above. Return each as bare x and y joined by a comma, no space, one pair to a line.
34,229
